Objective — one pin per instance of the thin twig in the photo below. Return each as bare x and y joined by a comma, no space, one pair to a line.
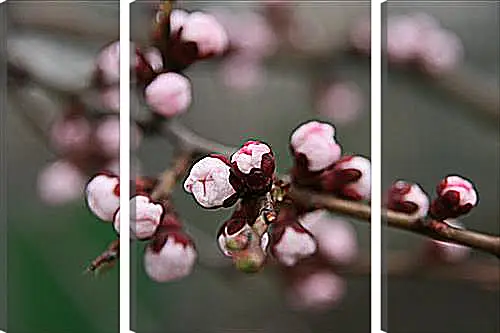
434,229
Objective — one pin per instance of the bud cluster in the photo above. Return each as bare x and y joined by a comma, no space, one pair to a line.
170,253
319,163
456,196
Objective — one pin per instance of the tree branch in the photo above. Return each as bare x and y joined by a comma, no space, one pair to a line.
434,229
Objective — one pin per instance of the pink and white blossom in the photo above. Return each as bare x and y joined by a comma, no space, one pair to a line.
315,140
317,291
408,198
169,94
341,102
110,98
208,34
250,156
294,244
108,63
440,51
108,136
456,196
172,261
103,197
60,182
354,188
403,38
208,182
145,217
336,238
69,134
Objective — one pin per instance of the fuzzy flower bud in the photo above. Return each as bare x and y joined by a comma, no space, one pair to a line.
169,94
60,182
145,217
208,182
290,243
208,34
234,235
336,238
350,177
456,196
108,63
315,141
253,164
103,196
170,256
408,198
69,134
317,291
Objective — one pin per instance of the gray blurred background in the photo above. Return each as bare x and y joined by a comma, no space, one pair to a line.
434,127
428,132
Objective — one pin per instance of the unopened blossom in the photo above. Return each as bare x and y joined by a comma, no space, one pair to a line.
60,182
254,165
234,235
456,196
290,243
145,217
336,238
103,196
360,35
108,136
408,198
316,291
170,256
242,73
70,134
110,98
316,142
204,30
403,38
153,57
208,182
341,102
108,63
440,51
169,94
350,177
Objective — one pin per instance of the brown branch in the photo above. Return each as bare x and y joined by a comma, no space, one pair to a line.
434,229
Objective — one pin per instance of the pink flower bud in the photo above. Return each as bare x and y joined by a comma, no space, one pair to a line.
456,196
315,141
69,134
108,63
408,198
242,73
153,57
234,235
208,182
440,51
254,165
170,256
177,19
145,216
341,102
350,177
110,98
108,136
208,34
290,243
169,94
317,291
360,35
336,238
403,38
60,182
103,196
